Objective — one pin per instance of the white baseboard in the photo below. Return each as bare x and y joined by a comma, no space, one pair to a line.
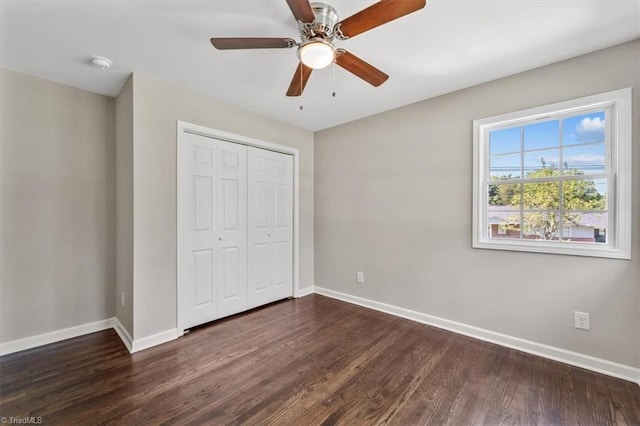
123,334
588,362
146,342
304,292
68,333
154,340
54,336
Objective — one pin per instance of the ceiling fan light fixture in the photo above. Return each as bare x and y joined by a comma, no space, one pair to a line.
318,24
317,54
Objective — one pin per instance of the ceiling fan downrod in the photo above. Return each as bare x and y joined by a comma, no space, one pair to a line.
326,19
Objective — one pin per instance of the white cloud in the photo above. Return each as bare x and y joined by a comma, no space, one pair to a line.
584,159
590,128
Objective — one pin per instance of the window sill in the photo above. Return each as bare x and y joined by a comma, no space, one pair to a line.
555,248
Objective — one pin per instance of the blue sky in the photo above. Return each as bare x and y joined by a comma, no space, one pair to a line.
543,139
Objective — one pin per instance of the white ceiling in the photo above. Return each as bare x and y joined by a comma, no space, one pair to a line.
448,45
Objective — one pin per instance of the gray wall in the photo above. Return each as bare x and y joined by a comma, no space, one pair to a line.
157,106
124,206
58,206
393,199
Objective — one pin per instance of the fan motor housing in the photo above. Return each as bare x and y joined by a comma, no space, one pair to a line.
326,17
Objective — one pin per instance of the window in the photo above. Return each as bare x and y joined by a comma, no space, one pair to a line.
556,179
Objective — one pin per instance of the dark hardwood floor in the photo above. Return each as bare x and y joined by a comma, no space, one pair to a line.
303,362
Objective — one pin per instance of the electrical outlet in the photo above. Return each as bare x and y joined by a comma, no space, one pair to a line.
122,299
581,320
360,277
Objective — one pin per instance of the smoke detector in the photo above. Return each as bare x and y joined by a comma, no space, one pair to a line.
101,62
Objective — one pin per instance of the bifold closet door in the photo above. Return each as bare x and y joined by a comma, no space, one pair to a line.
270,220
212,185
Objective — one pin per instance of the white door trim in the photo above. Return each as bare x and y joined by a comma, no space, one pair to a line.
185,127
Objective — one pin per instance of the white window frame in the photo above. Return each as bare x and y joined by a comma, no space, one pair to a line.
619,194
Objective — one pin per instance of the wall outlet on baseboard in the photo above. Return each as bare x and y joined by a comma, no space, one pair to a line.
360,277
122,299
581,320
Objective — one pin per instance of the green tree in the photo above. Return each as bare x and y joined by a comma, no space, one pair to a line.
544,199
501,195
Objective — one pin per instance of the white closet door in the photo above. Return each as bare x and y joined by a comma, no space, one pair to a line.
198,255
212,249
232,228
270,221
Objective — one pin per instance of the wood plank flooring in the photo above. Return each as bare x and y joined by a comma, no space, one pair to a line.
308,361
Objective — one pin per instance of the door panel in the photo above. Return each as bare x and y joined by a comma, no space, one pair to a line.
281,263
203,155
270,248
197,186
232,208
282,202
262,272
230,160
202,203
235,237
212,200
231,203
231,274
261,206
203,267
282,235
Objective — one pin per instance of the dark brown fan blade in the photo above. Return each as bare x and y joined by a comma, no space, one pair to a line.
377,14
224,43
299,80
301,9
360,68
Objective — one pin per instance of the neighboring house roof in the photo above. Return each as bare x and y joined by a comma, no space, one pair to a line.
501,214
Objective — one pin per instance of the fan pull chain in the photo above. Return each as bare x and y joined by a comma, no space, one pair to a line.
334,80
301,90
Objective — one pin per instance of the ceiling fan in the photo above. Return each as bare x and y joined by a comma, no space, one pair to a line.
318,25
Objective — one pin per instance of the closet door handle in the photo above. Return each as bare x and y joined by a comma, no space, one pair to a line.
268,234
219,238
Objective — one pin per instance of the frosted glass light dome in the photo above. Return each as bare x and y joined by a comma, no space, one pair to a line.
316,54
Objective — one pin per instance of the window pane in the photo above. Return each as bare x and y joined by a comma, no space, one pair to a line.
503,194
584,159
584,227
504,141
542,135
584,194
541,225
583,128
505,167
540,196
542,163
556,173
503,223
